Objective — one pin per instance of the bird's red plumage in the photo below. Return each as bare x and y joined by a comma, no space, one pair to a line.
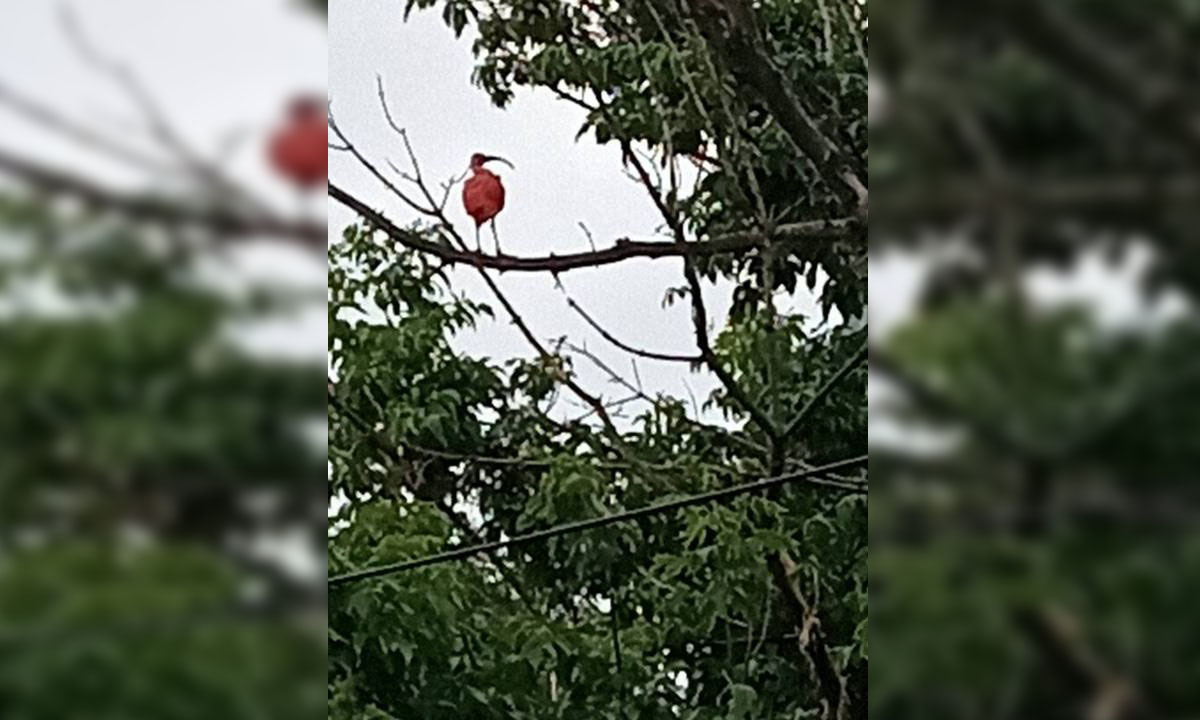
483,195
299,149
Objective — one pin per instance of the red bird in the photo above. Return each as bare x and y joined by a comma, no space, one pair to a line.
298,150
483,194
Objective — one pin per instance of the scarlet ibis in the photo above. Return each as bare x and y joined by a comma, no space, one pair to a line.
483,194
298,150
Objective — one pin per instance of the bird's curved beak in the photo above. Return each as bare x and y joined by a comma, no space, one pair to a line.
490,158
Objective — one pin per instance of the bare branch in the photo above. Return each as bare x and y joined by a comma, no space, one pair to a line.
564,95
812,641
588,233
461,251
971,193
624,249
1112,695
387,113
699,312
824,391
592,401
700,323
738,36
362,160
694,359
616,377
613,375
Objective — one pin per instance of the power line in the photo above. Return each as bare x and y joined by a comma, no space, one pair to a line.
592,523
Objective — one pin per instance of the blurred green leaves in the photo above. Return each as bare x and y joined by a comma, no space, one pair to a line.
135,440
1017,142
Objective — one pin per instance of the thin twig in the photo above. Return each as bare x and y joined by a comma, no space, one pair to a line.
648,354
370,167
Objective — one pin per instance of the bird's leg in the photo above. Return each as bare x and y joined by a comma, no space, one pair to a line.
495,236
478,245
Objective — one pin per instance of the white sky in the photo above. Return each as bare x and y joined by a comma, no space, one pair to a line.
214,67
557,184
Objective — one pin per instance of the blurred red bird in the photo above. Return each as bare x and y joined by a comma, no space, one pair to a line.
298,150
483,194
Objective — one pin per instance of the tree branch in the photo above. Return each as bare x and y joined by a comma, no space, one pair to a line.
986,429
699,312
160,127
824,390
1056,634
166,211
812,641
648,354
732,26
438,213
392,456
624,249
1056,195
370,167
45,117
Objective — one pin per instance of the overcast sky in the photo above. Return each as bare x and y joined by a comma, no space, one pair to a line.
558,183
214,68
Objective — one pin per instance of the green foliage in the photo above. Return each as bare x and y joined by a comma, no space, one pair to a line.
90,633
1088,510
649,79
133,439
690,592
675,615
959,550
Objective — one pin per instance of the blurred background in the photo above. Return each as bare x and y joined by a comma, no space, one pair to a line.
1033,388
162,339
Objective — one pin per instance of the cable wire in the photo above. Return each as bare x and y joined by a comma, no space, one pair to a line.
592,523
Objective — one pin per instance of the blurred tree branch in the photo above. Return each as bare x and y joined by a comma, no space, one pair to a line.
226,207
1110,695
152,209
